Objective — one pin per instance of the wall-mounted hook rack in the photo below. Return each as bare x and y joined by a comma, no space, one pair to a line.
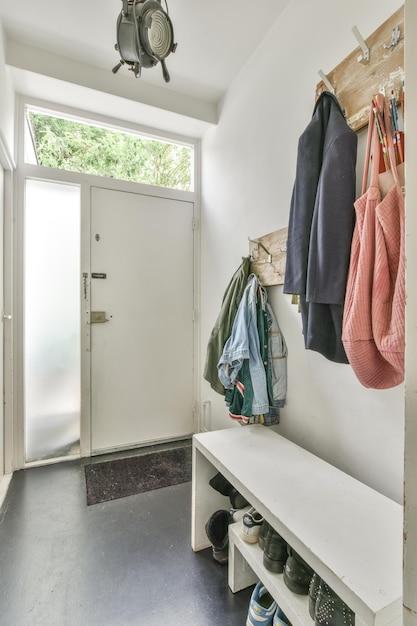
357,83
327,82
270,269
259,244
366,53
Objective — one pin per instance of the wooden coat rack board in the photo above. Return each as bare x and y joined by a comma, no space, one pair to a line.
354,83
269,254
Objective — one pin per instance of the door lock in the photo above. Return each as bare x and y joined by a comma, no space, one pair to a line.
98,317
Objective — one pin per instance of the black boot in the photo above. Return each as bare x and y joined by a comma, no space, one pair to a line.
275,552
222,485
217,530
265,530
297,574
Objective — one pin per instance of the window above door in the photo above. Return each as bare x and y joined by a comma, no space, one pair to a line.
78,145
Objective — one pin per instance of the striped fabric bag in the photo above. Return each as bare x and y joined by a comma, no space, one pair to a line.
374,315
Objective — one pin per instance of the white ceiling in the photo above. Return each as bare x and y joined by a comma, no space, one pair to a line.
215,37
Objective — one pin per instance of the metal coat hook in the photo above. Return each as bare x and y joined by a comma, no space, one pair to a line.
366,55
327,82
395,39
259,244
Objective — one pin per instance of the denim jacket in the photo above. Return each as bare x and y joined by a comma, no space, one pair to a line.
242,344
277,354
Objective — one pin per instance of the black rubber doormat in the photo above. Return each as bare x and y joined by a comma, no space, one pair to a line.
127,477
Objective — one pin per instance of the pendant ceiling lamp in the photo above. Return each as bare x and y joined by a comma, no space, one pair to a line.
145,36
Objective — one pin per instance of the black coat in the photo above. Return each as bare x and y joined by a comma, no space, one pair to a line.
321,226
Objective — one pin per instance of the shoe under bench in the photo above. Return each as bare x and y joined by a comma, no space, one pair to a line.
350,534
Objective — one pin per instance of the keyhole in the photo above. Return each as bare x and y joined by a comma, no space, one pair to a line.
97,237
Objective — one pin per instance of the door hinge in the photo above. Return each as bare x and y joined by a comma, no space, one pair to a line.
196,224
195,315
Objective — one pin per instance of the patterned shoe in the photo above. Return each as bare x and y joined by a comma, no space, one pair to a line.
251,526
313,594
280,619
297,574
262,607
331,610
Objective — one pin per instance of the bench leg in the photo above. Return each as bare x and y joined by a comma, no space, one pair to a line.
205,500
241,575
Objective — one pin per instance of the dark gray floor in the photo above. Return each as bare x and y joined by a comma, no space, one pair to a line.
123,562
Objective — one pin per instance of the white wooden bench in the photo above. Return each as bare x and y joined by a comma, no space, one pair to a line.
349,534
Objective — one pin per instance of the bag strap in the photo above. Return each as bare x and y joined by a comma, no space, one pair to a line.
372,156
371,123
390,142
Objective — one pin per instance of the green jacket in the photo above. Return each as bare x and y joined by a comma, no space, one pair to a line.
223,326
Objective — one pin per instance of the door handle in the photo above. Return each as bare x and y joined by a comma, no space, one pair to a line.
98,317
6,317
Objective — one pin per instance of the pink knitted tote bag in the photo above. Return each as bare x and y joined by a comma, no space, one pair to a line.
373,325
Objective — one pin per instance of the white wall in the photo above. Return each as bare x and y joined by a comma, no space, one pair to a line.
6,100
248,174
1,339
410,534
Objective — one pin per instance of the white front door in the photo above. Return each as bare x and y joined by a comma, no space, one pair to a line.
142,281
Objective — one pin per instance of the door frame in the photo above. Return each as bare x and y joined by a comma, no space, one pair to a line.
9,167
86,182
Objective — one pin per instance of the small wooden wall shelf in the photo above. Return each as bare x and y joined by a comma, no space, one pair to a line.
355,83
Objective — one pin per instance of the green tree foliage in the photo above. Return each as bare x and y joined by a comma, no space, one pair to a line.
78,147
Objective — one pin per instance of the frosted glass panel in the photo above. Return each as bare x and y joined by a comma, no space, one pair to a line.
52,320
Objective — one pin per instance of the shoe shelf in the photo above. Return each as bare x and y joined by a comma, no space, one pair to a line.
348,533
246,568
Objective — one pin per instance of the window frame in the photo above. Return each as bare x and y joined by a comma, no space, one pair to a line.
113,125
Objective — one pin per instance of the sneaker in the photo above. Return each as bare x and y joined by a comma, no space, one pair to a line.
265,530
251,526
313,593
217,530
297,574
275,552
262,607
331,610
280,619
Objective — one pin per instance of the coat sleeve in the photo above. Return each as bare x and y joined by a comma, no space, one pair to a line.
223,327
302,208
333,223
